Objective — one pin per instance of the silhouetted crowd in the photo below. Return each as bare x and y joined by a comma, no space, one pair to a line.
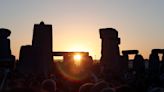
143,76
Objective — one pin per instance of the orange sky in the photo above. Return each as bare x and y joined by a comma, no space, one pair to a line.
76,23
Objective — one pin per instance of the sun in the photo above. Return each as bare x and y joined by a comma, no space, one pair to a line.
77,59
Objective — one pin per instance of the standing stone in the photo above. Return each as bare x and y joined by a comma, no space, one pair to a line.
6,59
154,64
37,58
110,55
42,44
4,43
26,64
139,66
162,63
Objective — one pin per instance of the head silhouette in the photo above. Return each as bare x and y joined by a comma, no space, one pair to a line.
99,86
49,85
86,87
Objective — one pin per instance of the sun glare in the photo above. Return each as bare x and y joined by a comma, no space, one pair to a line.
77,59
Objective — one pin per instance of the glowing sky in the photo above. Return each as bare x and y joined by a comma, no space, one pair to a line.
76,23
